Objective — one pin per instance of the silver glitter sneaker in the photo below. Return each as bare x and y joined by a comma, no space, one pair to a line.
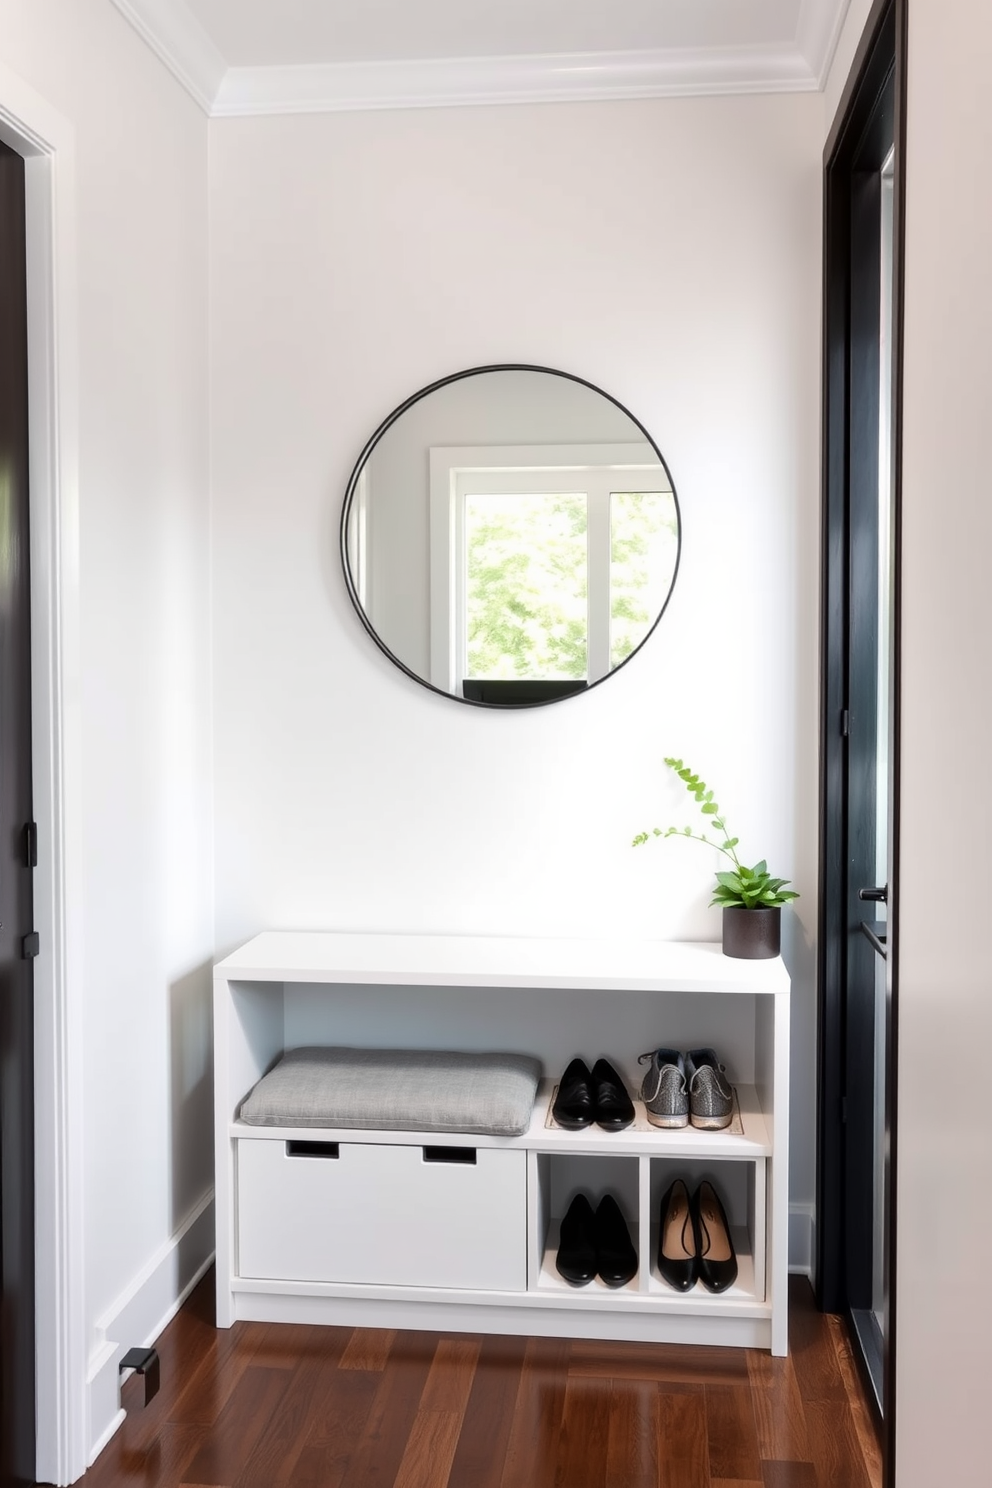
664,1091
711,1097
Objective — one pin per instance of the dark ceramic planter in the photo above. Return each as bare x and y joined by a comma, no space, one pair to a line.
752,934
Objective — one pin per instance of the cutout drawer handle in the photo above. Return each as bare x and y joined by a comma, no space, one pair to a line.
449,1155
312,1149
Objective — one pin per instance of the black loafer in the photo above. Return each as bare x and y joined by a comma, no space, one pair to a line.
678,1260
714,1244
614,1107
616,1258
576,1258
574,1107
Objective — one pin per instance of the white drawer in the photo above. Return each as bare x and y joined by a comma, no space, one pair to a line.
382,1214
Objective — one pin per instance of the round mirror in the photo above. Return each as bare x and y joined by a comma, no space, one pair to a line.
510,536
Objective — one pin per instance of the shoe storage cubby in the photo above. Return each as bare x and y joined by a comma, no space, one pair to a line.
556,1179
460,1231
740,1186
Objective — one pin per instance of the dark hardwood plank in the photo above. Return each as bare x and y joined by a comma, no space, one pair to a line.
585,1433
379,1451
368,1348
683,1458
338,1422
817,1370
214,1380
789,1475
452,1375
731,1433
272,1463
478,1461
437,1425
344,1407
163,1460
670,1362
285,1345
862,1412
430,1450
532,1447
632,1449
778,1408
228,1446
834,1445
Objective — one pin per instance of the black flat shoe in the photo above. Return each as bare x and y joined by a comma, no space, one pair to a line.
616,1258
576,1258
614,1107
677,1254
574,1107
717,1259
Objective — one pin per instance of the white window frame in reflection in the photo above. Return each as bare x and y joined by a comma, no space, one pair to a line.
593,470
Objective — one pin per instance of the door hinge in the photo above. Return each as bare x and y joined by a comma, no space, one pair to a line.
845,723
31,844
30,945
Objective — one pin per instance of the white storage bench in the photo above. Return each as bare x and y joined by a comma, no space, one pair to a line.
456,1230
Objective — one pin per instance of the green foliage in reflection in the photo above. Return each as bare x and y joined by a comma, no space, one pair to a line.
644,541
526,586
527,580
751,888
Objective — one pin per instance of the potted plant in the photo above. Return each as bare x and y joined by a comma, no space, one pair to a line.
751,899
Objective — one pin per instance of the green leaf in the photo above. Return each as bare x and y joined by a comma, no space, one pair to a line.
710,810
761,867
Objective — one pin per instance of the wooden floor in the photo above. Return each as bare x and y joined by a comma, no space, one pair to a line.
263,1405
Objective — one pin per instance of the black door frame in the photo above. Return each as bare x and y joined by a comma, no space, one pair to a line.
17,856
881,58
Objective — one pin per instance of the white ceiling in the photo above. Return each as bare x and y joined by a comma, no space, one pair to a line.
254,33
264,56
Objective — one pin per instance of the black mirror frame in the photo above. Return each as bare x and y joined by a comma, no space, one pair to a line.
370,445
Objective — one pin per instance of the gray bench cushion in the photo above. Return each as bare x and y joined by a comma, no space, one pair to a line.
397,1090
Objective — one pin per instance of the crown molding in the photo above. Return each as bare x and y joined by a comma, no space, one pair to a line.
177,39
818,33
564,78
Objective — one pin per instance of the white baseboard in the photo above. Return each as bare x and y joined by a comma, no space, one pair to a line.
802,1238
139,1314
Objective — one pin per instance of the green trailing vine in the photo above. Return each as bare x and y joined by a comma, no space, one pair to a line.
749,888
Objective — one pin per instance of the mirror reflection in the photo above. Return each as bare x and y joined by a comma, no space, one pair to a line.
510,535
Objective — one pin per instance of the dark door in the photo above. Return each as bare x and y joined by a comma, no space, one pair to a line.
859,755
17,1360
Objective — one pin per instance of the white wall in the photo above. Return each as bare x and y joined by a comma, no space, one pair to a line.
669,252
142,814
944,1315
